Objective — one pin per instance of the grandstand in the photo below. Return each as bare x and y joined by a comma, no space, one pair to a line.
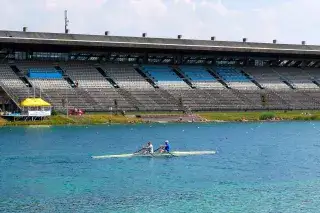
107,73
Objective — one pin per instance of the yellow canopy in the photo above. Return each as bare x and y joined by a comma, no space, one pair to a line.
34,102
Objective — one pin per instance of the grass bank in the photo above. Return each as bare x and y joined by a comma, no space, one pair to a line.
142,113
75,120
2,122
260,116
103,118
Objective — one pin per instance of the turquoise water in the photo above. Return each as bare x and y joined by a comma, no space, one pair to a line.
259,167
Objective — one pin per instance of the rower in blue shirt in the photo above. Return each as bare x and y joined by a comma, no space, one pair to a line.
166,147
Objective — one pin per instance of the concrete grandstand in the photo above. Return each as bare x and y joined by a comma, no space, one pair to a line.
106,73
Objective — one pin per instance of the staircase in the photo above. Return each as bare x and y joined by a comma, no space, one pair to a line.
284,102
252,79
66,76
244,99
109,79
285,80
12,96
133,101
148,78
288,83
217,76
316,82
314,100
20,75
89,99
165,94
178,72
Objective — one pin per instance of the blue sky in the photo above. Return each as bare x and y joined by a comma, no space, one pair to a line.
288,21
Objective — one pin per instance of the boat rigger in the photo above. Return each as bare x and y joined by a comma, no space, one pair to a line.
171,154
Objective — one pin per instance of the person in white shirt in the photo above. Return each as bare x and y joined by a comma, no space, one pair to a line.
148,149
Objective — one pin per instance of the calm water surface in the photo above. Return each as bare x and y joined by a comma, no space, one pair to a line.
259,167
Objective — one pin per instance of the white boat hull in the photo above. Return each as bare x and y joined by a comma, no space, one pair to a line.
173,154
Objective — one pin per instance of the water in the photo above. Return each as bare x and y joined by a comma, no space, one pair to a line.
259,167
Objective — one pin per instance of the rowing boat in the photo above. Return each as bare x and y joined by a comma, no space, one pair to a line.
171,154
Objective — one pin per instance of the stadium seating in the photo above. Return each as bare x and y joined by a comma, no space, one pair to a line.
266,77
200,77
147,97
165,77
234,78
231,74
96,93
9,78
297,77
125,76
205,99
85,75
44,74
39,77
313,73
13,86
95,87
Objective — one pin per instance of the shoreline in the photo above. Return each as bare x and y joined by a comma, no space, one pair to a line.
154,117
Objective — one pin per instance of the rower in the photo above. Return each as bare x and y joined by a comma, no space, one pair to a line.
148,149
165,148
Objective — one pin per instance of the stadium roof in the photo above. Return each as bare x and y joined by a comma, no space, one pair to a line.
17,38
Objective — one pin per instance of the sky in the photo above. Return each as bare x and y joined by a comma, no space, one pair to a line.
288,21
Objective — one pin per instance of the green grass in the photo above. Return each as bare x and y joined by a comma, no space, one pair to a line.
102,118
257,116
267,116
156,113
76,120
139,113
2,122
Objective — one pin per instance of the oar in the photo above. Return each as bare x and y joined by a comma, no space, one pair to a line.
138,151
172,154
157,149
151,154
167,152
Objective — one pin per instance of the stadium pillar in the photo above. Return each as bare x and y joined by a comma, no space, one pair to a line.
214,61
145,58
303,64
177,59
246,61
28,55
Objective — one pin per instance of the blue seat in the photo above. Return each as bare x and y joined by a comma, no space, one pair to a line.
197,73
40,73
160,73
231,74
